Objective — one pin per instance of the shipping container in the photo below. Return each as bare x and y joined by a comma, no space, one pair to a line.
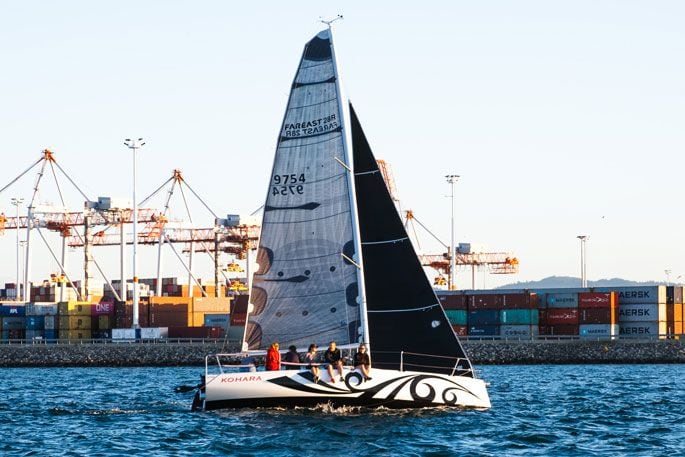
642,329
74,308
561,316
103,322
168,319
212,305
598,315
565,300
35,322
196,332
674,294
603,331
460,330
101,334
456,317
50,334
154,333
630,295
484,330
73,334
483,317
597,300
559,330
239,304
218,320
452,300
518,331
641,312
13,323
123,334
524,300
14,334
519,317
103,309
41,309
34,334
12,310
50,322
487,302
75,323
238,320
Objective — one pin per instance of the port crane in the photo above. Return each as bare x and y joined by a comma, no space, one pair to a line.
493,262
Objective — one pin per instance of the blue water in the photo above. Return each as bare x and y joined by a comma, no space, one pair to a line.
537,410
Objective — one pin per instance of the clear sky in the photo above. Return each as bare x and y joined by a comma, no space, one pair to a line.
561,117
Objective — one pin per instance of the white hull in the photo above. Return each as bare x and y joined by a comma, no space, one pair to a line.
389,388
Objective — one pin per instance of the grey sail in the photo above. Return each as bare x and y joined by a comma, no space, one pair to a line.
305,290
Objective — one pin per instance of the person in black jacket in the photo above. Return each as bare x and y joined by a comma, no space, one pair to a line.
333,358
292,357
362,362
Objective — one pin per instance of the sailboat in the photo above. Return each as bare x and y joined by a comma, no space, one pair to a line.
335,264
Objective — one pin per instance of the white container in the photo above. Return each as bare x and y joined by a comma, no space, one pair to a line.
123,334
518,331
154,333
629,295
604,331
641,312
49,322
641,329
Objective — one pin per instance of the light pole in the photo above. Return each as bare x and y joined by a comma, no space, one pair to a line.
23,245
134,145
453,254
16,202
583,260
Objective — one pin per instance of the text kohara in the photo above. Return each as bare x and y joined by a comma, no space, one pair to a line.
241,378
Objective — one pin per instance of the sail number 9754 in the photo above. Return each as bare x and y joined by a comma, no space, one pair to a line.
290,184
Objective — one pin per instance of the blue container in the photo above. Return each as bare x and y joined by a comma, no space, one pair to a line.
456,316
13,323
484,317
484,330
50,334
12,310
35,322
216,320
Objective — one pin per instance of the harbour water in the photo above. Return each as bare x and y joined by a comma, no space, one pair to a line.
537,410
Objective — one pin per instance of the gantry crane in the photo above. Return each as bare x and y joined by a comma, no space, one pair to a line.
493,262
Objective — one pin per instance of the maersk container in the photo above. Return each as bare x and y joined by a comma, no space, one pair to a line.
642,329
564,300
12,310
603,331
519,317
630,295
35,322
518,331
642,312
456,317
483,317
483,330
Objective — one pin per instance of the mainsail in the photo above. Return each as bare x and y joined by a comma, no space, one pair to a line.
404,315
305,289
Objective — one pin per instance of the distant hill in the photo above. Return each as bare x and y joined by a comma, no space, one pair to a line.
569,281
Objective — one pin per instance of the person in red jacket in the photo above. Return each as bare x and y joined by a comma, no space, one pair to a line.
273,358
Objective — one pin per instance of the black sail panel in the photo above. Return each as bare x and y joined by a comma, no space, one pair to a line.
404,315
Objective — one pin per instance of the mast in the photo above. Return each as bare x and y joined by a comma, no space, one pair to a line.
347,143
